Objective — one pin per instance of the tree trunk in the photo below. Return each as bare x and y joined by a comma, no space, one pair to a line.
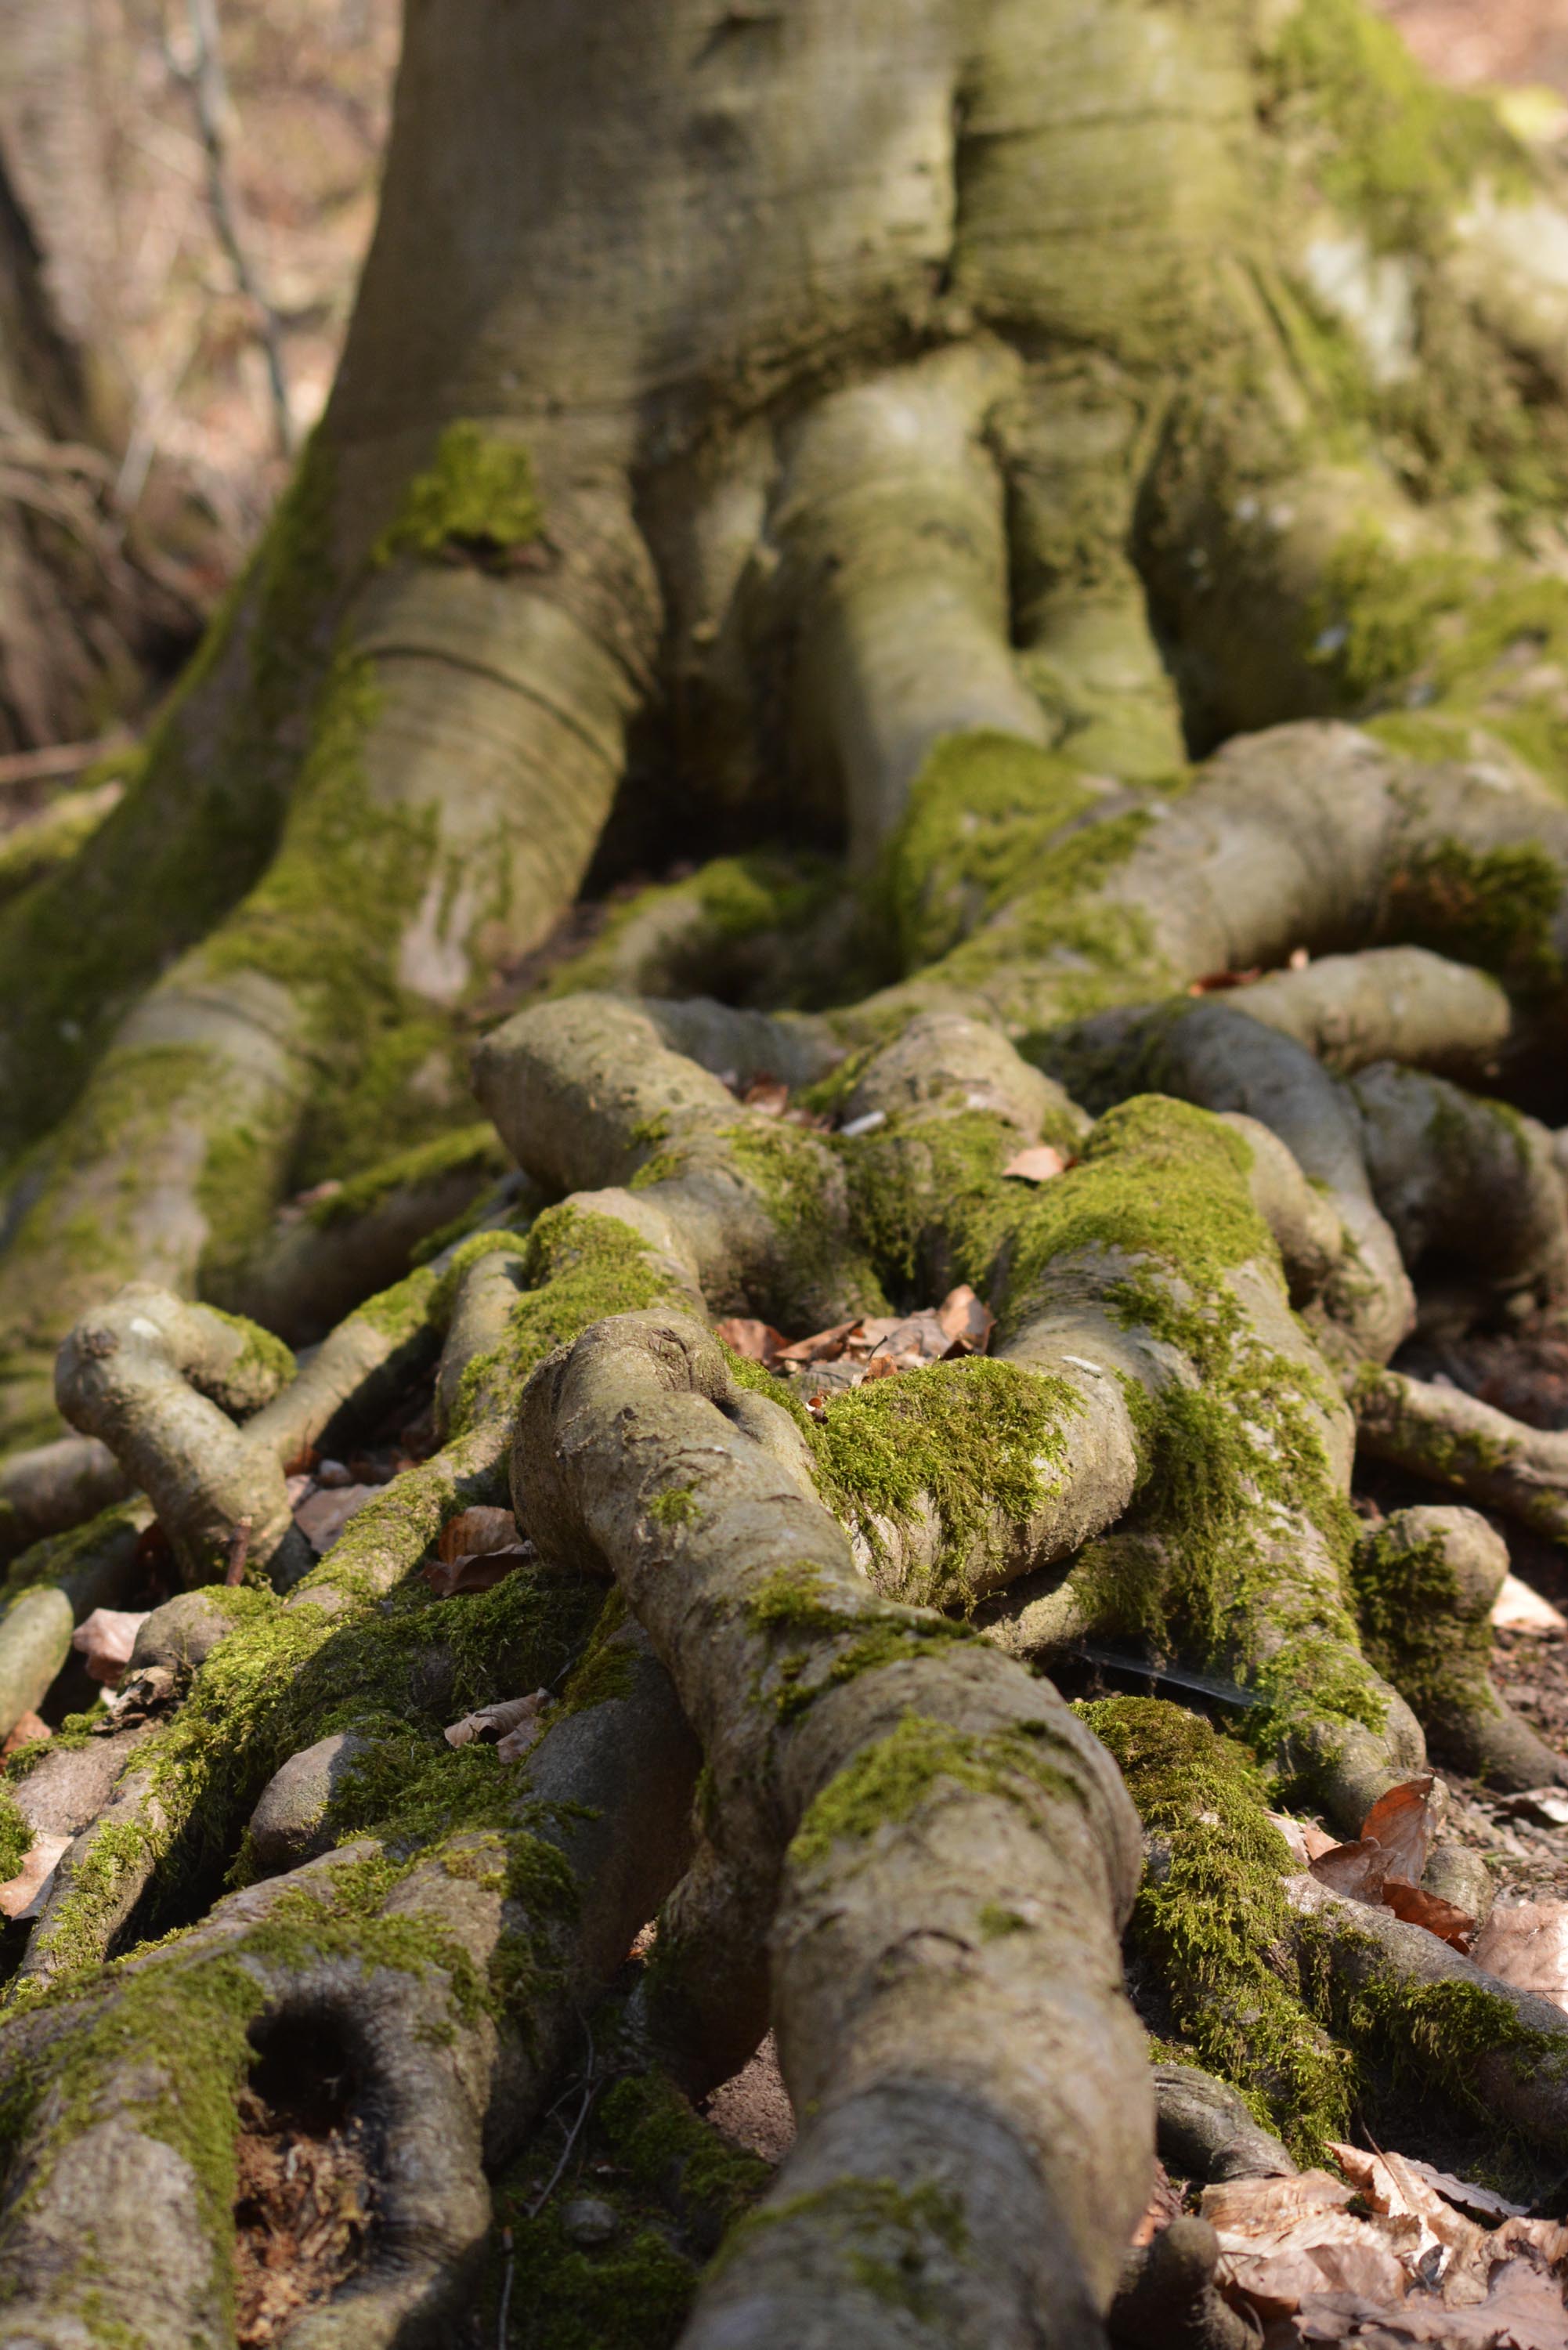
918,431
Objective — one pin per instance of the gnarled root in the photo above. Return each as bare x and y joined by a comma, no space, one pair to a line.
451,1983
1457,1441
953,1853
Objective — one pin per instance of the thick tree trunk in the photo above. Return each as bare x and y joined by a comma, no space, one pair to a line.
919,428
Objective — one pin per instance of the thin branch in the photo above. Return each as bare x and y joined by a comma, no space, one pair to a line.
208,85
57,759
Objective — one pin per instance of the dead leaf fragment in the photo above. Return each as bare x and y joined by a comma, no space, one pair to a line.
1417,1908
967,1320
1519,1609
22,1895
1403,1823
1356,1870
1306,1840
322,1516
106,1639
28,1727
472,1532
493,1723
756,1342
1037,1164
1526,1943
766,1093
1216,983
1480,2202
822,1346
478,1571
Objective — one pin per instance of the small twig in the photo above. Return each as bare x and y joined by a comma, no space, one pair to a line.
209,90
573,2134
239,1550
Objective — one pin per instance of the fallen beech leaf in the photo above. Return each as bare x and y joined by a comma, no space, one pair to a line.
1480,2202
766,1094
1403,1823
106,1639
967,1320
28,1727
1356,1870
475,1571
1164,2205
525,1731
1398,2191
1526,1943
492,1723
1306,1840
473,1532
1444,1918
1037,1164
22,1895
1283,2239
882,1366
823,1346
1544,1807
1519,1609
757,1342
1522,2310
917,1339
322,1516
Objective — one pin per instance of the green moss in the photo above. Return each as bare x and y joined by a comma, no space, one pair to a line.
982,813
580,1267
675,1507
1213,1919
981,1442
479,498
1495,909
928,1187
896,2243
15,1835
1394,149
266,1365
653,2134
1415,1631
897,1776
478,1148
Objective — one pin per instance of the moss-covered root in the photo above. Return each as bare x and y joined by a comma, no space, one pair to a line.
162,1383
586,1093
1456,1440
52,1487
50,1588
1470,1188
188,1790
446,1982
1400,1992
953,1856
1426,1580
317,1261
1387,1003
891,520
1206,2130
1013,889
1206,1052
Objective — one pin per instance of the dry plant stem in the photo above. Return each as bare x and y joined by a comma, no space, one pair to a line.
1496,1461
1387,1003
1369,1947
449,2078
992,2083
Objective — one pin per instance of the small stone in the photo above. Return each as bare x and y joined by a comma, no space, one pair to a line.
588,2220
1543,1807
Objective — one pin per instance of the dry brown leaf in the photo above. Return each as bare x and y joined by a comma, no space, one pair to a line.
22,1895
526,1731
883,1366
1037,1164
476,1571
28,1727
1526,1943
823,1346
492,1723
106,1639
967,1320
473,1532
1216,983
1480,2202
322,1516
1404,1824
757,1342
1522,2310
766,1094
1418,1908
1306,1840
915,1339
1520,1610
1164,2205
1356,1870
